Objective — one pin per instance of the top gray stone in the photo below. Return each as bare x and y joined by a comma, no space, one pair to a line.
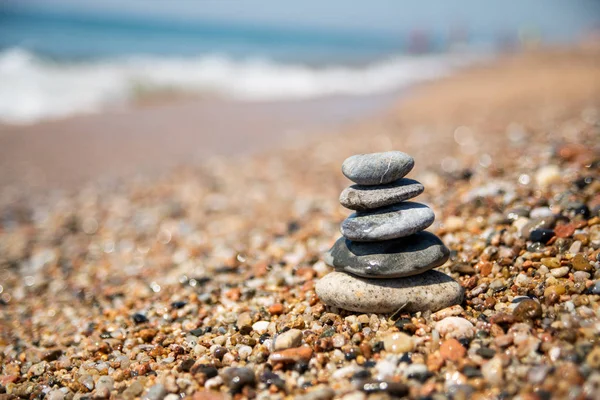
377,168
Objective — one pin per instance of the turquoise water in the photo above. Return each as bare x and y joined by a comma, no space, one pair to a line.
76,36
58,62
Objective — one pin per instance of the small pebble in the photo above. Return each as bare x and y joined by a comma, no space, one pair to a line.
452,350
595,288
575,247
395,389
55,394
398,342
527,310
270,378
105,383
139,318
551,262
547,175
288,339
292,355
540,212
493,371
244,322
455,327
318,393
260,326
581,264
580,276
593,358
541,235
238,377
133,390
559,272
155,392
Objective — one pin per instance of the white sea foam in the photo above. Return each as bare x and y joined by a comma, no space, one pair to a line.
32,88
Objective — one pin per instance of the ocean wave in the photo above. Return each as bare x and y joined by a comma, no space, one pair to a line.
33,88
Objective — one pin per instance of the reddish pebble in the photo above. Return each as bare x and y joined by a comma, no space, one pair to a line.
452,350
435,361
4,379
564,230
234,294
485,268
276,309
292,355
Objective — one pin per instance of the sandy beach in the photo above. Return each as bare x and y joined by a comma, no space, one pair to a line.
202,248
162,132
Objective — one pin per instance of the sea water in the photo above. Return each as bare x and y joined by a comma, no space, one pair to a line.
56,64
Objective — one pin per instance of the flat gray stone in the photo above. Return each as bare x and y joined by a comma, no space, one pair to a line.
363,197
394,258
377,168
432,290
391,222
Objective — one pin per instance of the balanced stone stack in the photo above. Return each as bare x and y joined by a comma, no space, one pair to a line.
384,261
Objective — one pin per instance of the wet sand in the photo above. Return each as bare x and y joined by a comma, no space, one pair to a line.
162,134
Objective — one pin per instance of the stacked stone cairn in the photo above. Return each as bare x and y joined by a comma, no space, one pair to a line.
384,261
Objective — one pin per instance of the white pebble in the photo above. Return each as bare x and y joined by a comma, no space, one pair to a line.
213,383
288,339
569,306
540,212
354,396
385,368
338,340
260,327
581,276
455,327
493,371
522,280
447,312
415,369
547,175
559,272
244,352
520,223
575,247
346,372
55,394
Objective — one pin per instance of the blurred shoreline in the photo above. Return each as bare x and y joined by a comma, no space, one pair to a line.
163,132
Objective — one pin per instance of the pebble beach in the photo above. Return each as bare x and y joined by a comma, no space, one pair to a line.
199,281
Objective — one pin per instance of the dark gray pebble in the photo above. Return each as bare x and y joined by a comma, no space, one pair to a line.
392,388
394,258
237,377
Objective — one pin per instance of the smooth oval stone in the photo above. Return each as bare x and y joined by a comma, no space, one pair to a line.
395,258
362,197
377,168
431,290
391,222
